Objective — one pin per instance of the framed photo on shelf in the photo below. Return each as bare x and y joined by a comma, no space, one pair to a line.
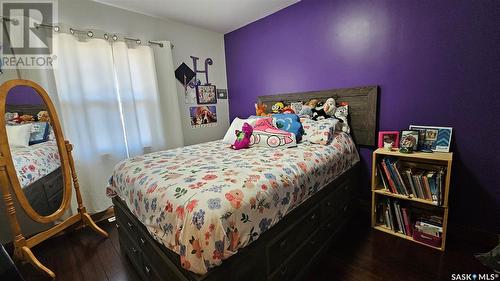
206,94
433,138
409,141
388,137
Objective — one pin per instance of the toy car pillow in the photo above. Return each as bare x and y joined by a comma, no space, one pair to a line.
266,135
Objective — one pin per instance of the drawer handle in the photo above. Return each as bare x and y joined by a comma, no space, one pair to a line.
283,244
134,250
313,217
313,242
345,208
283,271
329,225
142,241
117,225
148,270
130,225
328,204
346,187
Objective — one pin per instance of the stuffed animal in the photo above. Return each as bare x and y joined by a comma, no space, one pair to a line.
243,137
341,114
278,107
324,110
296,107
287,110
43,116
24,119
260,109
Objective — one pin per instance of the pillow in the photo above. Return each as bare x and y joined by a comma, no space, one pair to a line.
39,132
320,132
290,123
237,124
266,135
19,135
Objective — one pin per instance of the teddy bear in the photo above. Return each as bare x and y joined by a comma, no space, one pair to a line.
341,113
43,116
24,119
260,109
296,107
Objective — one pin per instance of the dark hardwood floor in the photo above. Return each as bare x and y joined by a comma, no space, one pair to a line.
359,254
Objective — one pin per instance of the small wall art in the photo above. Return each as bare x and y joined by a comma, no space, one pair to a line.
206,94
203,116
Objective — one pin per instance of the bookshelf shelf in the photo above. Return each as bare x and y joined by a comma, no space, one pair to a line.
387,230
404,197
381,194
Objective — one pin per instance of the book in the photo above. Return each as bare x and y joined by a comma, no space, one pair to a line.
399,178
399,217
427,189
389,179
431,178
384,182
393,176
409,180
417,186
406,221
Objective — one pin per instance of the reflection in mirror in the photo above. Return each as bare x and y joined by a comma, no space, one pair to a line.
34,149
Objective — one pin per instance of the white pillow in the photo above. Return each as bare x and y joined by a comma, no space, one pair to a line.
19,135
237,124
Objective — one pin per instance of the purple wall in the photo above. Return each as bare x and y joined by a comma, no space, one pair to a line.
23,95
436,62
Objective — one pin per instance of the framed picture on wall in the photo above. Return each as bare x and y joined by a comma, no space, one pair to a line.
206,94
203,116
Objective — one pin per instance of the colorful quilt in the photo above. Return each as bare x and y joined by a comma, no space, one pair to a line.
206,201
35,161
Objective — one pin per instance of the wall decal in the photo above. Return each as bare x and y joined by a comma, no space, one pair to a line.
203,116
208,62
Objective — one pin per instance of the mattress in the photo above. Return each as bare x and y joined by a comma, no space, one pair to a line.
206,201
35,161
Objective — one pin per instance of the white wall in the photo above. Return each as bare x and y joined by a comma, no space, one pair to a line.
188,40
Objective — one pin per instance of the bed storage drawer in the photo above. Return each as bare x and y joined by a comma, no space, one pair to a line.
292,238
292,266
336,200
130,248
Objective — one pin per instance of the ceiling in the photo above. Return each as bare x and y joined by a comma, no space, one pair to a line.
218,15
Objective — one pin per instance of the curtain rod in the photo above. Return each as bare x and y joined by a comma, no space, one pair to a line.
91,34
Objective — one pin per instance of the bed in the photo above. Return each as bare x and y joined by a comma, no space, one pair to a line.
206,212
38,168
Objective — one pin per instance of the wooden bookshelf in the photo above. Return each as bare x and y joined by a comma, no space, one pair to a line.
443,159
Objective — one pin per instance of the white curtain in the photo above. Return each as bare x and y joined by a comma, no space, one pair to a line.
110,105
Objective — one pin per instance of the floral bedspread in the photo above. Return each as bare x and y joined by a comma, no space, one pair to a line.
35,161
206,201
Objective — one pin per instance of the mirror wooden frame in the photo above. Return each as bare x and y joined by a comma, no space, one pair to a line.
9,180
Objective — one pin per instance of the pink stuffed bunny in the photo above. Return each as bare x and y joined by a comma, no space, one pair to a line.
243,137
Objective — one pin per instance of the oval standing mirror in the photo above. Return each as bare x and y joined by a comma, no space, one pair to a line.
33,142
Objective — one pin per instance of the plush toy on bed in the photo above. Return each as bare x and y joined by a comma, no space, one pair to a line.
43,116
260,109
243,137
341,113
278,107
307,108
324,110
287,110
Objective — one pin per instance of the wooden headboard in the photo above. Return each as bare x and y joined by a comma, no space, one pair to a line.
363,108
29,109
